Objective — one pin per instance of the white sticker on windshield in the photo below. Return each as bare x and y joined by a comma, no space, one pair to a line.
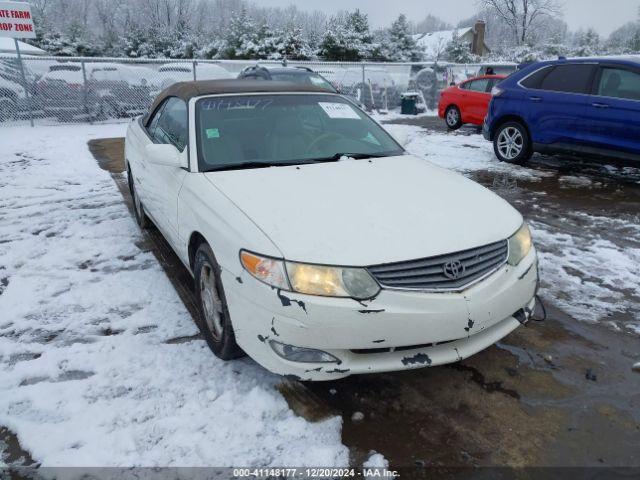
338,110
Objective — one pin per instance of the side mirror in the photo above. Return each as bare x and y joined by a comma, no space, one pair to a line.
164,154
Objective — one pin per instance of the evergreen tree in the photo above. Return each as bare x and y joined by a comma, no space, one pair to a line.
587,43
347,38
294,46
459,52
397,43
241,36
634,42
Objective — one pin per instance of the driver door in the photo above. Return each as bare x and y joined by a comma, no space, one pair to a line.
165,181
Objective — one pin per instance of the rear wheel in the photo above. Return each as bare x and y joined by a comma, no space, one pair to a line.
511,143
138,208
453,118
214,320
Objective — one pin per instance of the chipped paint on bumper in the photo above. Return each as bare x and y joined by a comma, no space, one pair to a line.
468,322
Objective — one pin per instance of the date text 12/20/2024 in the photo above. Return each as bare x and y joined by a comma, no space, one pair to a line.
291,472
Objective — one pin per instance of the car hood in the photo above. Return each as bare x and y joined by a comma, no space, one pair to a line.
368,212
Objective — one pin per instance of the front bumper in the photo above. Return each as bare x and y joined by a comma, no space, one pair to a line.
398,330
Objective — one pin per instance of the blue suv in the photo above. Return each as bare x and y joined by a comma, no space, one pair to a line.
585,106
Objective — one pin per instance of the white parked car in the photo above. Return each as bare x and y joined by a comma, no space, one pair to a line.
318,246
11,95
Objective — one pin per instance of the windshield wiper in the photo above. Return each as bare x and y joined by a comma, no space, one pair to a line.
306,161
355,156
248,165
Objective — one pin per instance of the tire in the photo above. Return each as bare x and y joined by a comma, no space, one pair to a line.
138,208
213,320
511,143
453,118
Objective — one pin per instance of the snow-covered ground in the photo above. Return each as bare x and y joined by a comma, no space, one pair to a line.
87,377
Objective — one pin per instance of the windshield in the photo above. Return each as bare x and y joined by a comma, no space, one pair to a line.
251,130
303,78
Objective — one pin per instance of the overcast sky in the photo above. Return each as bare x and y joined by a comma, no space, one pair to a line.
604,15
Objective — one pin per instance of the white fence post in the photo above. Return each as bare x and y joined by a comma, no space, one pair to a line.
85,95
25,85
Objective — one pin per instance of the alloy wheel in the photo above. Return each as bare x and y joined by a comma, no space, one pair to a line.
510,143
211,302
452,117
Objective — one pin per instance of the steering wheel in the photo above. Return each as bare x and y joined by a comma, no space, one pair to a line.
322,138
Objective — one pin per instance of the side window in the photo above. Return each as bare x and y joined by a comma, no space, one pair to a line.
619,83
465,85
154,121
479,85
493,82
569,78
535,79
172,124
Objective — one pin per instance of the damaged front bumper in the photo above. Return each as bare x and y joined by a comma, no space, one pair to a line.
398,330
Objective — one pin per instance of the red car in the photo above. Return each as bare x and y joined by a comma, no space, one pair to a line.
468,101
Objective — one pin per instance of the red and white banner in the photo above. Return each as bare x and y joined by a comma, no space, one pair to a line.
16,20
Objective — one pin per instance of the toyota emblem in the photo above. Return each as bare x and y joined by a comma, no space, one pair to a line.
454,269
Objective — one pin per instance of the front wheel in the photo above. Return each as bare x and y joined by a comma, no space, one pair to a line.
453,118
511,143
138,208
214,320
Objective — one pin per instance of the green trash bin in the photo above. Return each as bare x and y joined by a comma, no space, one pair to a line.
408,105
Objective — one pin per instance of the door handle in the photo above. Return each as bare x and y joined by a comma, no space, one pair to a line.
600,105
535,99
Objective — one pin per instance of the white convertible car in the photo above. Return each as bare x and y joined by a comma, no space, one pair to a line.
318,246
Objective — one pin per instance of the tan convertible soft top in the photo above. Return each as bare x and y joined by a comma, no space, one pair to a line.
188,90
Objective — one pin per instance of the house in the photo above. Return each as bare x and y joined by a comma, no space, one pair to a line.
434,44
7,46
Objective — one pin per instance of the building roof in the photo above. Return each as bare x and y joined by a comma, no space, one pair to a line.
8,46
434,43
189,90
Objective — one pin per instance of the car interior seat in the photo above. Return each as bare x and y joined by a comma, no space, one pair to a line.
287,140
612,86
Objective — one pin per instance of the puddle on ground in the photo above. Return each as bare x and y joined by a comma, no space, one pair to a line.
11,452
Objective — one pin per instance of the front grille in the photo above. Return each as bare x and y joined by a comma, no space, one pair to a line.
453,271
367,351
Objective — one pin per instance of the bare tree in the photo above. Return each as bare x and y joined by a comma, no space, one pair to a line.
522,16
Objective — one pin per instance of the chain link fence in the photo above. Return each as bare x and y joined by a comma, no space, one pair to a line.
63,89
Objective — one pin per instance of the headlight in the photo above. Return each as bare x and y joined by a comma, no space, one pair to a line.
496,91
311,279
519,245
267,270
332,281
